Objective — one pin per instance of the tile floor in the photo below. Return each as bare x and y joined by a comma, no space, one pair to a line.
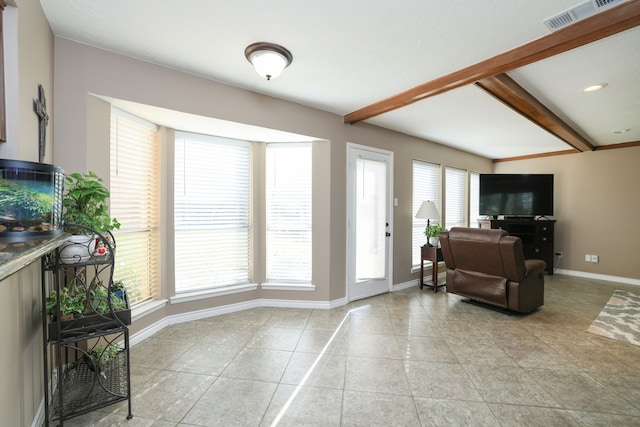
408,358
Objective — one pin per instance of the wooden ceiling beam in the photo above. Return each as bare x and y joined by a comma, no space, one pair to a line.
601,25
536,156
510,93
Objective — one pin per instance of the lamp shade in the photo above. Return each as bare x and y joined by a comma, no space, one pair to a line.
428,210
268,59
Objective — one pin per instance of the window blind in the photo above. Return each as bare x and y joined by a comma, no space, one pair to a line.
211,212
134,201
288,214
426,181
455,197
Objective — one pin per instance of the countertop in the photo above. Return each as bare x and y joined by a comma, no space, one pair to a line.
17,255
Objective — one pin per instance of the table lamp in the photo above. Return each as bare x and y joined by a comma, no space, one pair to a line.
428,211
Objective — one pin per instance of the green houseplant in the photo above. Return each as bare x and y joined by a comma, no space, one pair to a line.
71,303
85,203
432,232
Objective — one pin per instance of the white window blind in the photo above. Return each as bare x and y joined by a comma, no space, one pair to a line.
426,182
211,212
455,197
134,201
288,194
474,199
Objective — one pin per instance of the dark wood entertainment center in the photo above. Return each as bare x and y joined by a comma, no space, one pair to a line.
536,236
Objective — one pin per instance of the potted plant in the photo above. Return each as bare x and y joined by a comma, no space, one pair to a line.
432,232
85,204
118,289
97,300
99,356
71,303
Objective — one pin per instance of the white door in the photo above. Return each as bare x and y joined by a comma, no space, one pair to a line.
369,210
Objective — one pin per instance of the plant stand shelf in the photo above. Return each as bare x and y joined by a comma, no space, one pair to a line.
84,390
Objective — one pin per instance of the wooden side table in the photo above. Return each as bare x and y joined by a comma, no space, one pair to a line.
433,254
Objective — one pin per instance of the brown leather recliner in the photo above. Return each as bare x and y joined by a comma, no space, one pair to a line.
488,266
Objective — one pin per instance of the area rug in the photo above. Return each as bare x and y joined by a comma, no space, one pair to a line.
619,319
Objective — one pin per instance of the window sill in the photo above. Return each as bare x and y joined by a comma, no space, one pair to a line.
147,307
275,286
210,293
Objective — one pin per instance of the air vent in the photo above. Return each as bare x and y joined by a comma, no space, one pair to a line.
576,13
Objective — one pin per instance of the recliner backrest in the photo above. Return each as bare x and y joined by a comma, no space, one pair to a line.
487,251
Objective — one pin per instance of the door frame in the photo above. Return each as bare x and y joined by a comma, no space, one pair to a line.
350,234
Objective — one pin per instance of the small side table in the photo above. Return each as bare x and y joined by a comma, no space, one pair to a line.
433,254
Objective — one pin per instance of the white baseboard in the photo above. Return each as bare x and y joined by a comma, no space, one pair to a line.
605,277
416,282
38,419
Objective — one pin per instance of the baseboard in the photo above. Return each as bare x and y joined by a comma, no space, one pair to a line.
416,282
38,419
604,277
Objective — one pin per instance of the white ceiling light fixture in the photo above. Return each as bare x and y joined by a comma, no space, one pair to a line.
268,59
594,87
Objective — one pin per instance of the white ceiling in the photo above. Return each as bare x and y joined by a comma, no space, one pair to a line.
349,54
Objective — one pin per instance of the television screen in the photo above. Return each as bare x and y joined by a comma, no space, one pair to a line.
526,195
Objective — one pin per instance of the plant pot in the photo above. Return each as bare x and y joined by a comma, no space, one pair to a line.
434,241
78,248
88,324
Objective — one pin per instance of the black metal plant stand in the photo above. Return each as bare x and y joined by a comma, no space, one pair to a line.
86,358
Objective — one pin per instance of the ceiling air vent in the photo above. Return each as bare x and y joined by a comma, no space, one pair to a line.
576,13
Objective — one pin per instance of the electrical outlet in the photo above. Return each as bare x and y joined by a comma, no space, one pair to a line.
594,258
587,258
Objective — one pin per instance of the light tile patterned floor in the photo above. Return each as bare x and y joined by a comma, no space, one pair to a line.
408,358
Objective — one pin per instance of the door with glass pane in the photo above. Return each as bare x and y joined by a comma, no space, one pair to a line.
369,221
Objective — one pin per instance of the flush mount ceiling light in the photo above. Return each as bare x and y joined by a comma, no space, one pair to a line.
621,131
268,59
594,87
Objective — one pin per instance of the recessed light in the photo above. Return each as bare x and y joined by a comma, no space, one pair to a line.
595,87
621,131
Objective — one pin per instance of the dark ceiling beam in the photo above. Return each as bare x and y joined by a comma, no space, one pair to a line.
601,25
510,93
536,156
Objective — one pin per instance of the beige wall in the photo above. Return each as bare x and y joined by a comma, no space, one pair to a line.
596,206
31,40
21,361
29,43
82,70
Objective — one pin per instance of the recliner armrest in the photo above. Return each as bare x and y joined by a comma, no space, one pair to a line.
534,266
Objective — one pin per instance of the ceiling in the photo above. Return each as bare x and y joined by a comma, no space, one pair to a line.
362,59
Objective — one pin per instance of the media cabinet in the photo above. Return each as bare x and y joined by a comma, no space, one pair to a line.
536,236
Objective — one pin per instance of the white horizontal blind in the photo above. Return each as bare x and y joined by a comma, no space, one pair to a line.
474,199
426,182
135,189
211,212
455,197
288,194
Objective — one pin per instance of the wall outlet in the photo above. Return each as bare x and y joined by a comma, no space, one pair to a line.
594,258
587,258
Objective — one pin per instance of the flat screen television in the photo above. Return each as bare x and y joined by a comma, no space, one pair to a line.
516,195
